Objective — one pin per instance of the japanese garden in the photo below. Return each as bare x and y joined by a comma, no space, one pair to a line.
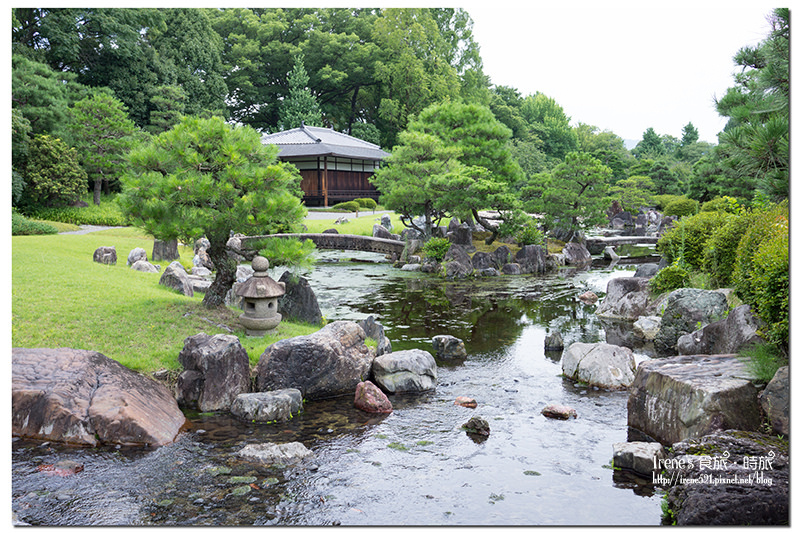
312,267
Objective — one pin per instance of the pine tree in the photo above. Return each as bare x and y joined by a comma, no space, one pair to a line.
301,106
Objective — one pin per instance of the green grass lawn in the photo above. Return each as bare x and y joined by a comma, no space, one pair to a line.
361,225
62,298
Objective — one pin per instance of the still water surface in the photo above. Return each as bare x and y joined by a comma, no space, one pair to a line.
412,467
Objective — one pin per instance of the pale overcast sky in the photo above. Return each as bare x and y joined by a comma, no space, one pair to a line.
621,66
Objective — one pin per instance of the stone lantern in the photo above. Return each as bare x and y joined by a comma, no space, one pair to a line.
260,294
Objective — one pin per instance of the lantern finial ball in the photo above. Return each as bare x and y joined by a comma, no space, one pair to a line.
260,264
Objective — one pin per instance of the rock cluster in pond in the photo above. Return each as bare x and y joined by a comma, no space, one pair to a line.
601,365
449,347
686,309
83,397
737,331
299,303
687,396
371,399
280,454
640,457
217,370
729,478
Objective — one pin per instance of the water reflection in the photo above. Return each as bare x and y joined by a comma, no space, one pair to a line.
412,467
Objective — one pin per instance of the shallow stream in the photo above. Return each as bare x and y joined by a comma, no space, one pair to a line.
412,467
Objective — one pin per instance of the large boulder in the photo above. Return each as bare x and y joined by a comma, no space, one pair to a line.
647,270
601,365
145,266
689,396
299,303
686,311
83,397
729,478
775,401
576,254
270,406
730,335
405,371
106,255
325,364
457,262
176,278
531,259
626,298
217,370
460,234
381,232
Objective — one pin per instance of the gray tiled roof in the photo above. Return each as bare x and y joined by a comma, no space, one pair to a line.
313,141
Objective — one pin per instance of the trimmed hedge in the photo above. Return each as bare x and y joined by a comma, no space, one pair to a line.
351,206
366,203
23,226
669,279
686,240
681,207
719,257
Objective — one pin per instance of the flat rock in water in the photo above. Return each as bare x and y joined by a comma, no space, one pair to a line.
84,397
269,453
561,412
641,457
270,406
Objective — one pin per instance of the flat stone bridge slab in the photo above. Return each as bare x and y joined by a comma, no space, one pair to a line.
334,241
596,245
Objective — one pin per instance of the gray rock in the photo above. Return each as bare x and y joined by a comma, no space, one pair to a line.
487,273
647,270
405,371
640,457
299,303
380,232
477,426
333,231
576,254
411,267
243,273
646,327
269,453
203,271
137,254
775,402
144,266
374,330
448,347
512,269
386,222
482,260
531,259
626,298
689,396
217,370
278,405
460,234
610,254
761,459
730,335
554,342
176,278
106,255
599,364
325,364
457,262
686,311
85,398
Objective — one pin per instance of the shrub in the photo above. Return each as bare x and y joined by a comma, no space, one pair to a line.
681,207
530,234
770,283
23,226
351,206
660,201
366,203
719,257
669,279
764,225
685,242
436,248
287,252
105,214
53,175
726,203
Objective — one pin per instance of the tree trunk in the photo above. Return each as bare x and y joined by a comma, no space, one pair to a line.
98,186
225,276
490,239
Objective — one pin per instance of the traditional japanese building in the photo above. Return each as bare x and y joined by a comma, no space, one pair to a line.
335,167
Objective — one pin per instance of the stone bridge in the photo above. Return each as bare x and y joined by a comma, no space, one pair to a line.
334,241
596,245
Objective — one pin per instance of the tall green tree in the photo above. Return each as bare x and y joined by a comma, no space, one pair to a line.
547,120
102,134
755,141
206,178
53,176
650,147
20,140
573,197
300,106
690,135
168,105
41,94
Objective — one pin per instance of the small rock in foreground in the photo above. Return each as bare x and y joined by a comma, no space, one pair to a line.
561,412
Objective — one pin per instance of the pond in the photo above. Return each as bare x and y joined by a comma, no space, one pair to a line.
412,467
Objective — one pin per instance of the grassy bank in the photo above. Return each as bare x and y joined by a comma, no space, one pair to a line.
361,225
62,298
